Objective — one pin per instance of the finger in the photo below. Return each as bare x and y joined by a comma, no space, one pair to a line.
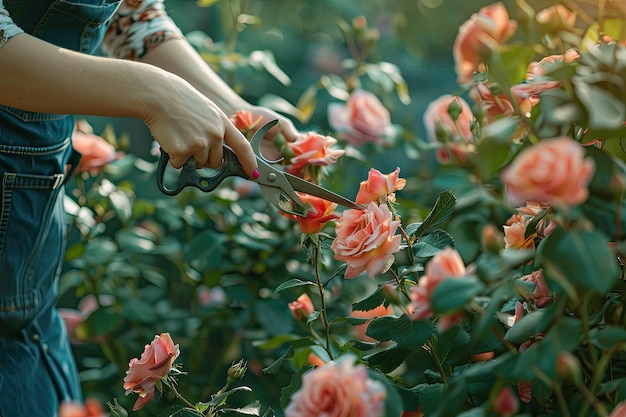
215,156
240,145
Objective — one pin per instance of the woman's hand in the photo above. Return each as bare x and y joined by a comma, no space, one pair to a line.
186,123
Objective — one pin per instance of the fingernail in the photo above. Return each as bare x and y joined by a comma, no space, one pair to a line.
255,174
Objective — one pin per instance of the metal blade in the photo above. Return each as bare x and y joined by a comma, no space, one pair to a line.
306,187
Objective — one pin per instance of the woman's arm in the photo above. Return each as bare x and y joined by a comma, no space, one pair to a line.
38,76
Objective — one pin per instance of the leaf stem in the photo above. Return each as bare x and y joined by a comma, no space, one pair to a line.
323,314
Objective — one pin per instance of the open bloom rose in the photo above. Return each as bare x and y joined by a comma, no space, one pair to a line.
366,240
482,33
302,307
553,170
154,364
338,389
362,119
541,293
90,408
320,213
379,187
96,152
312,149
437,117
445,264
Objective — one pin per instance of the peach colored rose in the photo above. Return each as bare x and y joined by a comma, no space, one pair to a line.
526,96
321,212
380,187
619,410
302,307
541,293
366,240
244,121
482,33
154,364
312,149
437,118
90,408
556,18
519,312
505,403
96,152
553,170
462,154
360,329
338,389
445,264
315,360
362,119
514,232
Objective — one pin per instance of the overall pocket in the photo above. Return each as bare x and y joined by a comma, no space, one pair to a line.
32,229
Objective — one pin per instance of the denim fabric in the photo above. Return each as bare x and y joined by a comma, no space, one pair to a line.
37,370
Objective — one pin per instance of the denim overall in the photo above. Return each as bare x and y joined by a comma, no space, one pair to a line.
37,369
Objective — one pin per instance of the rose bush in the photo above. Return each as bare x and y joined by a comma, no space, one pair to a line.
493,285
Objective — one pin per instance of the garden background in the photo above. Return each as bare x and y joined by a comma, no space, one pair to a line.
217,271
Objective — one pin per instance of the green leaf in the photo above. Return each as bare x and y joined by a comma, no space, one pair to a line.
377,298
431,244
402,330
252,409
582,258
265,59
100,251
294,385
293,283
608,337
274,316
533,323
451,345
453,293
221,397
180,411
388,360
393,401
430,397
515,59
441,211
604,109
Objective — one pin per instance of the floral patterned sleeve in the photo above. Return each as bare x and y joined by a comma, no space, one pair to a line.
8,29
137,27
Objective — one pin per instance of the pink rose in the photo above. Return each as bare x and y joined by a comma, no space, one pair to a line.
445,264
545,225
514,232
536,69
483,32
312,149
320,213
380,187
154,364
302,307
72,318
553,170
437,117
90,408
366,240
96,152
338,389
362,119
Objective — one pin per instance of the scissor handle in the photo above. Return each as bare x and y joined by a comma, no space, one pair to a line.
189,175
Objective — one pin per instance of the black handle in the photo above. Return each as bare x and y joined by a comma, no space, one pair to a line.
189,175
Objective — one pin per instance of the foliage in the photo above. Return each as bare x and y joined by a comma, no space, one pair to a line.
218,270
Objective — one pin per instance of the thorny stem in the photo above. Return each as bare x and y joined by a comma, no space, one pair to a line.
409,249
323,316
444,378
400,286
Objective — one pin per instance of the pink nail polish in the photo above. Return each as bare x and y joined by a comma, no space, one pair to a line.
255,174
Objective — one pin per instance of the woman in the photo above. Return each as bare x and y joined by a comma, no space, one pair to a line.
47,73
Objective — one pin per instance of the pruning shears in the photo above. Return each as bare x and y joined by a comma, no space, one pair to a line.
279,187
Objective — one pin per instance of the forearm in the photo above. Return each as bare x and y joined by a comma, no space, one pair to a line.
38,76
178,56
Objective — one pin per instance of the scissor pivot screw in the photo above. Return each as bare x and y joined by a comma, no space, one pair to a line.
271,176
